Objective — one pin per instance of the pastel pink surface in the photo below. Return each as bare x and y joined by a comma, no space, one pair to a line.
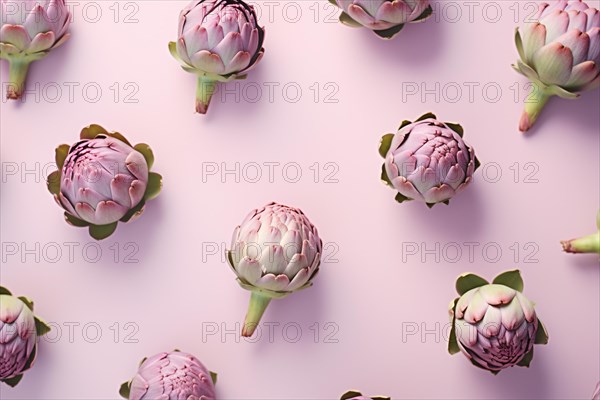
365,291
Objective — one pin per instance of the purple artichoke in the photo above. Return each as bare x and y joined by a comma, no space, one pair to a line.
384,17
171,376
354,395
19,331
427,160
560,54
274,252
218,40
103,179
494,325
30,29
586,244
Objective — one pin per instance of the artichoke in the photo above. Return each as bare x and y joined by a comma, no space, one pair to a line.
274,252
384,17
103,179
171,376
560,54
494,325
427,160
19,331
218,40
586,244
354,395
30,29
596,395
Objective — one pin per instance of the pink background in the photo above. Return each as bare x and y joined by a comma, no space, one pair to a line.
367,294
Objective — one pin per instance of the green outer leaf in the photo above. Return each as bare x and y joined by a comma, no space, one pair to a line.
452,341
154,186
347,20
135,210
561,92
389,33
125,389
100,232
91,131
333,2
5,291
173,51
146,152
541,336
456,128
72,220
469,281
118,136
404,123
385,143
41,327
269,293
446,202
425,116
53,182
384,176
213,376
145,358
351,394
512,279
424,15
381,398
526,360
31,359
400,198
27,302
12,382
519,44
430,205
60,155
477,163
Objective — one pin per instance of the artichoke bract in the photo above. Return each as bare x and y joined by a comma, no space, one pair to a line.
218,40
585,244
19,332
494,324
171,376
274,252
354,395
427,160
384,17
103,179
30,29
560,54
596,395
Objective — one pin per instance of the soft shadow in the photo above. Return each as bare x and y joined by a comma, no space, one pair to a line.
522,383
588,263
416,43
463,218
240,98
580,114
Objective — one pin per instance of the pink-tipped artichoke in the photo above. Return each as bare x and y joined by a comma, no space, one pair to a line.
29,30
19,332
354,395
103,179
274,252
596,395
494,325
427,160
171,376
586,244
560,54
384,17
218,40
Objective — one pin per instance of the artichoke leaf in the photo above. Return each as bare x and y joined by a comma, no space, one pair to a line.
469,281
512,279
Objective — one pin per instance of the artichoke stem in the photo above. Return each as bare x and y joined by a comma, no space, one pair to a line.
204,90
586,244
16,78
533,107
256,309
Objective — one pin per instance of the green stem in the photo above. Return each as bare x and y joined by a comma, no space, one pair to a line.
205,88
256,309
586,244
534,104
16,78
